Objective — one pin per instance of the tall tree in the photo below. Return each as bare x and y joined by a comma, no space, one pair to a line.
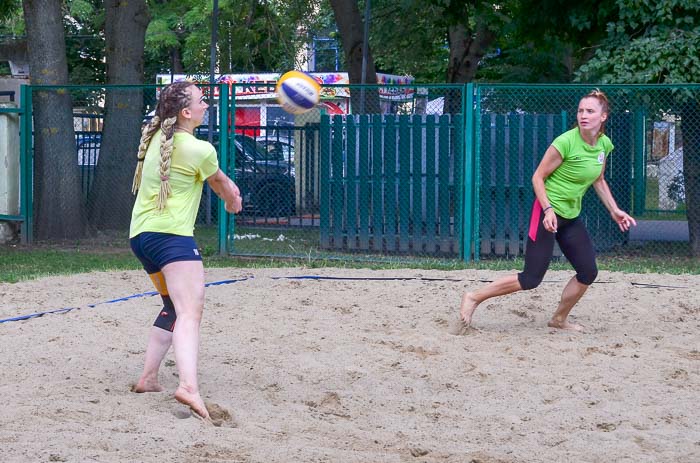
549,47
659,42
110,199
254,36
423,53
351,27
59,210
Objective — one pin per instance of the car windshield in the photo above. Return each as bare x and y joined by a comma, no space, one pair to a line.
257,151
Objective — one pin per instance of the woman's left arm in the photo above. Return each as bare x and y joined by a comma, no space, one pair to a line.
622,218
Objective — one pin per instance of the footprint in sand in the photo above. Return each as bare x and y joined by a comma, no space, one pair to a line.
219,416
457,327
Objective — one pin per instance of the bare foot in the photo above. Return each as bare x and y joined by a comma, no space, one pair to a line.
468,307
460,326
192,400
147,385
564,325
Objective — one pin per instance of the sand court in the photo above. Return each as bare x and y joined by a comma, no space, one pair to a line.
358,367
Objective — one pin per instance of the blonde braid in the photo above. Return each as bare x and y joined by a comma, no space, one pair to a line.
166,151
146,135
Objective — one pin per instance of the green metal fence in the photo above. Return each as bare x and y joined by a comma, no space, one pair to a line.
383,184
645,172
424,171
15,173
391,183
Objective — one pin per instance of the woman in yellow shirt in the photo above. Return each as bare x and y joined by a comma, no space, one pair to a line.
172,167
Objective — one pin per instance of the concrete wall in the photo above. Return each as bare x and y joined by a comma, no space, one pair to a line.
11,84
9,161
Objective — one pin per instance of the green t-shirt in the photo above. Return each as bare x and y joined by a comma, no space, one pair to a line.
191,163
582,165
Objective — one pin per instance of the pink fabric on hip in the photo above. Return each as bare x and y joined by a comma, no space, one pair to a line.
534,220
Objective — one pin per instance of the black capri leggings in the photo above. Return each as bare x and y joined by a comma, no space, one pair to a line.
573,240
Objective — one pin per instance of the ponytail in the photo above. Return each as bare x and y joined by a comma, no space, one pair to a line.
146,135
166,151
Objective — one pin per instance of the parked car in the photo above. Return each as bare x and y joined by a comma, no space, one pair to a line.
265,179
283,146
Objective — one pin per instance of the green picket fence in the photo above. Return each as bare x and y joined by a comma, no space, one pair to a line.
391,183
441,170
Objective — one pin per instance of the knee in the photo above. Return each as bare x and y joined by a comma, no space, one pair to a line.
529,281
587,276
190,306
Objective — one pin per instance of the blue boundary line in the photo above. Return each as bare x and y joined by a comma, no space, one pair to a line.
112,301
316,277
301,277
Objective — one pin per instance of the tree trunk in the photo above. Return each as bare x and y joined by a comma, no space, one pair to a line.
177,66
351,28
690,114
466,50
111,201
59,210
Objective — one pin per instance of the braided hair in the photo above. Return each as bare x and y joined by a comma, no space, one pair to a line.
173,99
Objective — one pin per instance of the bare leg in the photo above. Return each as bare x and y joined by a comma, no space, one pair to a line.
569,297
470,300
185,282
159,342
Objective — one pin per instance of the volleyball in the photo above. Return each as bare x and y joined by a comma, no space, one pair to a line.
297,92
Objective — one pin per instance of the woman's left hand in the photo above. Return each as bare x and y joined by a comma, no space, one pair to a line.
623,220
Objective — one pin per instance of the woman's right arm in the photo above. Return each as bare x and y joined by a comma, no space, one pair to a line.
549,163
226,190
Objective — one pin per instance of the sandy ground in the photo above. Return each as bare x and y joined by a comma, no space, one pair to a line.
357,370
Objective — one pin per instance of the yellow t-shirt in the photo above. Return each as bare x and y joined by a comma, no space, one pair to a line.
192,162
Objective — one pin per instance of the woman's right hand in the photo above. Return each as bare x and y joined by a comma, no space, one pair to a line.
234,206
550,221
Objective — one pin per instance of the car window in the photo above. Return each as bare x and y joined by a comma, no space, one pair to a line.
256,151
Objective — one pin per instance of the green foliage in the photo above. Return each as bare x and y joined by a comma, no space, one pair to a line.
85,46
84,26
410,37
253,36
405,39
11,18
82,10
8,8
547,47
650,42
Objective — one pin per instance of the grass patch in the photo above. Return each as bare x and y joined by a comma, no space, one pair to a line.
652,211
24,264
299,247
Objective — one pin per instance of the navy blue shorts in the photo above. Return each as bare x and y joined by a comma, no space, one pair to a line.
156,250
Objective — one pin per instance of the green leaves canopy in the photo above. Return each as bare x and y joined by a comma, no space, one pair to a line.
650,42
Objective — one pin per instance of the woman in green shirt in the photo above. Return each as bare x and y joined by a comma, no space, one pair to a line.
573,162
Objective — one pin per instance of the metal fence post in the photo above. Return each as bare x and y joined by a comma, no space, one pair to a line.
468,178
639,163
26,166
225,240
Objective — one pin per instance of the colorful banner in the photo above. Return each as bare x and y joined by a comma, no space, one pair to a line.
262,86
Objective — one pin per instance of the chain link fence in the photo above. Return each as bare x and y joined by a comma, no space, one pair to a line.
373,172
84,144
652,171
379,172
